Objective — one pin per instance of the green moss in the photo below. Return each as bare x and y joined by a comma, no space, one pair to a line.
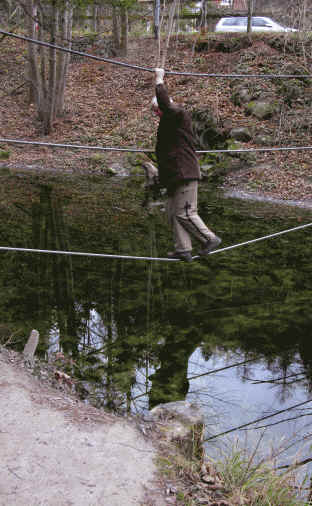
136,172
233,144
4,155
110,172
97,159
5,170
250,105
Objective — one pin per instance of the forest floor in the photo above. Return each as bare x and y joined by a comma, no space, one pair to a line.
109,105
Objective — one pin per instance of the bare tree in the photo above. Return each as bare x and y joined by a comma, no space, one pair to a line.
121,24
156,18
124,30
47,67
250,11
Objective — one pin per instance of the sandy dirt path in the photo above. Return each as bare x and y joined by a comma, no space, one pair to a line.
56,451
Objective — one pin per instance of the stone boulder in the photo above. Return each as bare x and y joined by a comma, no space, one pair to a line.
242,134
119,170
209,133
183,424
244,91
242,94
292,91
262,109
264,140
297,69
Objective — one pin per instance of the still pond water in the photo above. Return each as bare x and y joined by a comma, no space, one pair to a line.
140,333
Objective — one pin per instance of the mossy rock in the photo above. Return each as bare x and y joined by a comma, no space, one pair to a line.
241,96
4,154
262,109
136,159
244,92
232,144
264,140
136,172
206,170
242,134
207,131
292,90
97,159
214,173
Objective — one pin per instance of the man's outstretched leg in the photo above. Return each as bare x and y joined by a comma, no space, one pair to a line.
187,216
181,238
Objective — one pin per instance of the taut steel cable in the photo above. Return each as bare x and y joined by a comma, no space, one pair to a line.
126,257
149,69
74,146
142,150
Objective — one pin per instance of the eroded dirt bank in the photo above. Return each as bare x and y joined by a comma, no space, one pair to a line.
55,450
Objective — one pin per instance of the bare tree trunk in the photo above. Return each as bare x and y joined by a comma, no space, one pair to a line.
116,31
89,18
42,65
47,67
157,19
304,15
35,89
50,99
124,30
203,19
95,12
249,21
63,60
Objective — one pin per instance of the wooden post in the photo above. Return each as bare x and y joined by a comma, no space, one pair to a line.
30,347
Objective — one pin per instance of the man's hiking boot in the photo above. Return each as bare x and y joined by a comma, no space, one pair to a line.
210,245
185,256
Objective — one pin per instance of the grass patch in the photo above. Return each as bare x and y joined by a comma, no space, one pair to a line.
239,478
249,480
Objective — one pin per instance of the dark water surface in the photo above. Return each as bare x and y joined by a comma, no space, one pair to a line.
137,331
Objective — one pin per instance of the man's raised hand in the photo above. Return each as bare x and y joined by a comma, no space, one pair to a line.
159,76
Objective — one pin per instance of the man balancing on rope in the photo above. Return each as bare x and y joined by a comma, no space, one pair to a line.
179,173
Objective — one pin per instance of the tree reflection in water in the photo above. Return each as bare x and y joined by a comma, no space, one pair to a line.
131,327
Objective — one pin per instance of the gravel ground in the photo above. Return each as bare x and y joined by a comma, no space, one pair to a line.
55,450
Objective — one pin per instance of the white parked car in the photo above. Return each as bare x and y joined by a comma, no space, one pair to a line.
258,24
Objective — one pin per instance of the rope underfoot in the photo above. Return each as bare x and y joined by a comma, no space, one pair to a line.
128,257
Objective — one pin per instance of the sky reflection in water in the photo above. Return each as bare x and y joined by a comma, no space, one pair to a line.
137,330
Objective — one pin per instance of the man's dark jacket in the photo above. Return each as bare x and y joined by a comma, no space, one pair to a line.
175,147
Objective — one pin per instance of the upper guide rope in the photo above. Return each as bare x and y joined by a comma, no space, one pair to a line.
126,257
149,69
